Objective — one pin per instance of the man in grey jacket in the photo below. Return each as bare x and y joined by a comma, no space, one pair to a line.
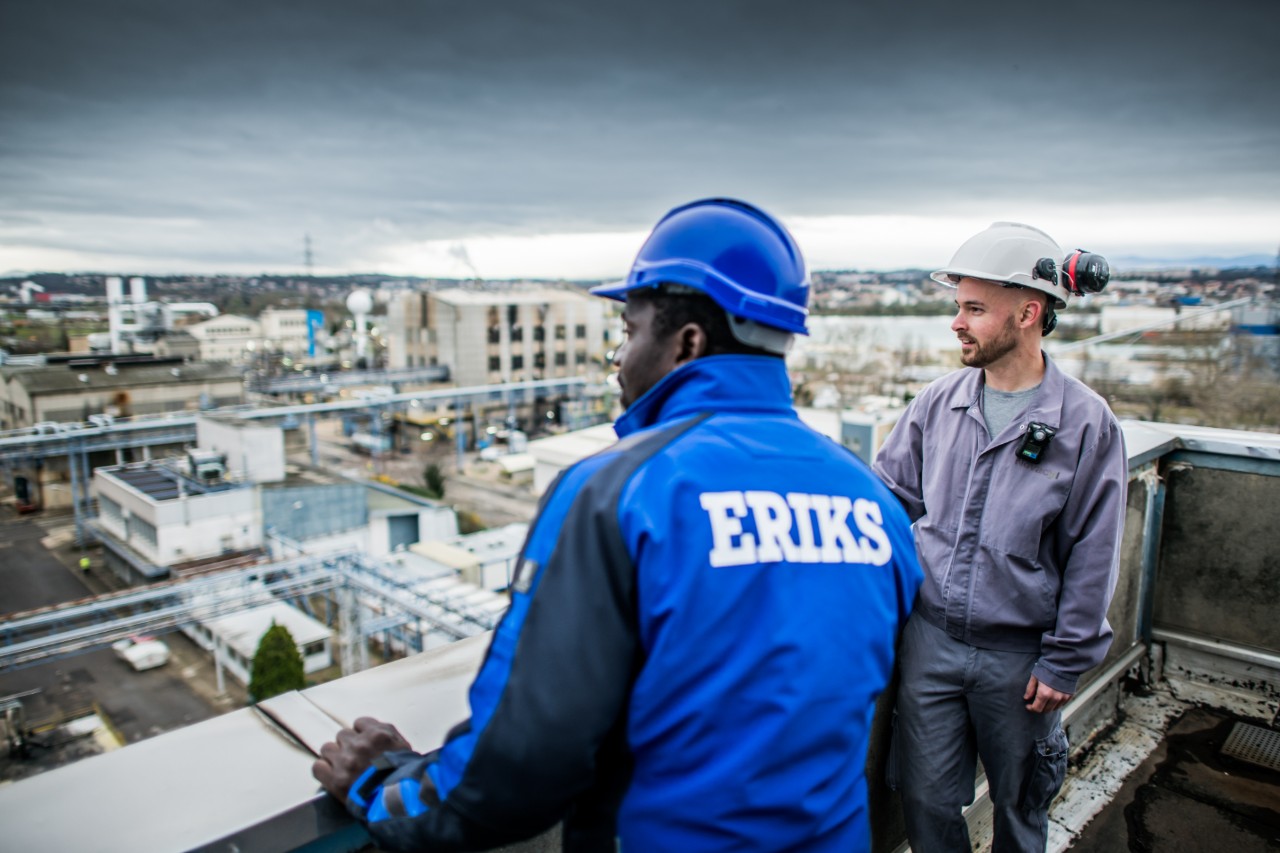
1015,475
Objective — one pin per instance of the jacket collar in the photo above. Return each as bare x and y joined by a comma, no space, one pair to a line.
1045,408
718,383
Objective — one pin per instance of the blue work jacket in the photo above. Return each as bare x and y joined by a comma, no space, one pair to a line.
701,621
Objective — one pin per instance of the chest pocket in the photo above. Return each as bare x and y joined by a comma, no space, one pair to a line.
1023,502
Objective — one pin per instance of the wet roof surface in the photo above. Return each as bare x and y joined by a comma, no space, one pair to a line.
1191,796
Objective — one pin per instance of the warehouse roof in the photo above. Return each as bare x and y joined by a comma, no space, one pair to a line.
72,378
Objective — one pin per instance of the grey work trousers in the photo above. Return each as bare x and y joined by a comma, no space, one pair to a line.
957,703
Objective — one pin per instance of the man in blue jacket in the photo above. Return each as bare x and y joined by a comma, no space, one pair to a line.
704,613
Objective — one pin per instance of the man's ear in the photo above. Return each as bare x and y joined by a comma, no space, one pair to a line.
692,343
1031,313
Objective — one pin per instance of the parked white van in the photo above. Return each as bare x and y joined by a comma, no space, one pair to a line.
142,652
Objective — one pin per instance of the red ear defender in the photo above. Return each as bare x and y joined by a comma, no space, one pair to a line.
1084,272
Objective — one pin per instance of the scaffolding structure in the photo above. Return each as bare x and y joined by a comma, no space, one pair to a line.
359,585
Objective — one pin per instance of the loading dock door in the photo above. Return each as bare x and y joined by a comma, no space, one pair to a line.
402,530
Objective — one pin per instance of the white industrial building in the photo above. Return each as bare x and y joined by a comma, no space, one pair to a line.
234,638
227,337
377,520
285,330
554,454
485,559
136,323
237,339
156,515
229,501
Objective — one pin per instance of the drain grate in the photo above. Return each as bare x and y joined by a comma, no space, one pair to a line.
1254,744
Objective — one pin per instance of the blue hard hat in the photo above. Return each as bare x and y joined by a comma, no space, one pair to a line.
733,252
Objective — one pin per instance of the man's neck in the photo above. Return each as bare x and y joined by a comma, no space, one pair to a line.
1018,371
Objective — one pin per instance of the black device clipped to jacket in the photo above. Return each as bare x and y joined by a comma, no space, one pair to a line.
1036,442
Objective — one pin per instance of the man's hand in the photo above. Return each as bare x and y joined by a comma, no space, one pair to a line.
340,764
1041,698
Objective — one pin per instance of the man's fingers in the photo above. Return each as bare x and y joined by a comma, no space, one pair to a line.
352,751
1047,699
1039,695
379,735
329,752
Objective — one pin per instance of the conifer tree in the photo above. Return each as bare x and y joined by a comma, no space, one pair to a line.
277,665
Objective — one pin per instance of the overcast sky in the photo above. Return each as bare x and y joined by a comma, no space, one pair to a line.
545,137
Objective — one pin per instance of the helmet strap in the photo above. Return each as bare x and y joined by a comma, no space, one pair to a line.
763,337
1050,320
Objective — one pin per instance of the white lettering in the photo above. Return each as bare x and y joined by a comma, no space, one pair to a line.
774,517
726,509
876,549
839,545
773,527
802,505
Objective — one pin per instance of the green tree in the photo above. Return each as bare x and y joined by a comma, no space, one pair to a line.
433,477
277,665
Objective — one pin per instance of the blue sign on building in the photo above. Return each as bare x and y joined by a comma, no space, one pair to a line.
315,322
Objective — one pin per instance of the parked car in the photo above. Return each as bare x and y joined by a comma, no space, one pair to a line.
142,652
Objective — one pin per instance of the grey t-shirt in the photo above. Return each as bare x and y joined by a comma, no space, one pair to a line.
999,407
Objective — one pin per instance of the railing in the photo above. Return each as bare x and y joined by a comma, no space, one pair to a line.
1198,590
319,380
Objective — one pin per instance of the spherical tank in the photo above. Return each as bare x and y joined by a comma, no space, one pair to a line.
359,302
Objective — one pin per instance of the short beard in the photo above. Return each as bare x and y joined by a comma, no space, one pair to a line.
984,355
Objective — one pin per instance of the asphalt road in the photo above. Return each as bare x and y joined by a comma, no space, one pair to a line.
30,576
137,704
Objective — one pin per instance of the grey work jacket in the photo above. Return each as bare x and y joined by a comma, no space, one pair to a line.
1016,556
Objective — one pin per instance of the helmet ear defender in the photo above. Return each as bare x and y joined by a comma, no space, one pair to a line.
1082,273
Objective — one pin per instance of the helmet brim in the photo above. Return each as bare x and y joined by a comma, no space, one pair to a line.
951,276
612,290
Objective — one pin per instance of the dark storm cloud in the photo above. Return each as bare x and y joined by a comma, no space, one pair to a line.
251,122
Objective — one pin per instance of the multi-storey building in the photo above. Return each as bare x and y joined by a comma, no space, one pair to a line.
491,336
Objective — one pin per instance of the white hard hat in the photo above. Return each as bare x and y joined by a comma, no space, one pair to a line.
1009,253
